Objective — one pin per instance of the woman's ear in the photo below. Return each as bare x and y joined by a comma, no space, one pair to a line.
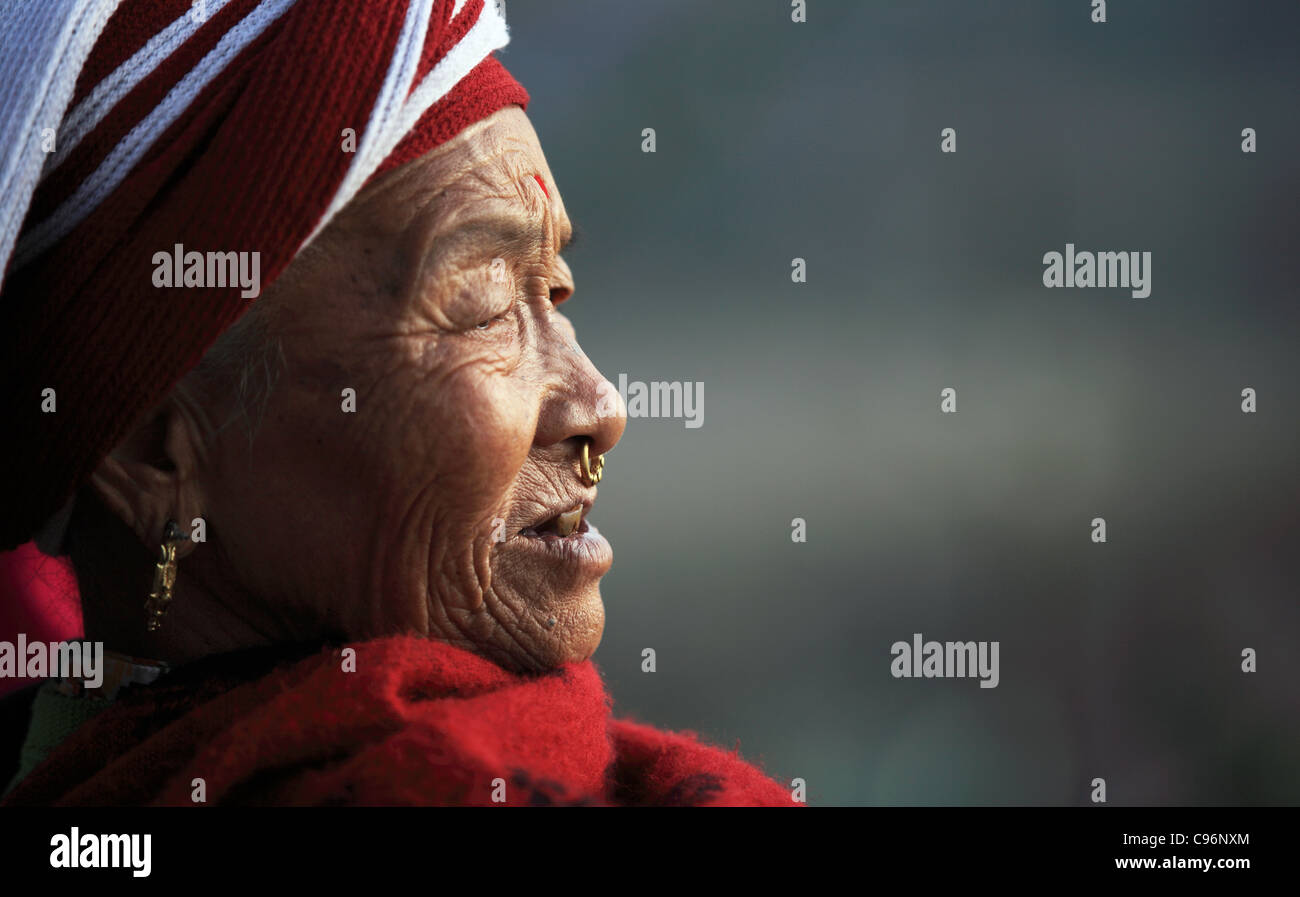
152,475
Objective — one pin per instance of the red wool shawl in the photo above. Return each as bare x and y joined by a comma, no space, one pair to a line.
405,722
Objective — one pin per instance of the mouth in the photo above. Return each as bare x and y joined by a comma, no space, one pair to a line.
567,523
563,536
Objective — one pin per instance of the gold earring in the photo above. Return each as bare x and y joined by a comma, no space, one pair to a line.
591,471
164,576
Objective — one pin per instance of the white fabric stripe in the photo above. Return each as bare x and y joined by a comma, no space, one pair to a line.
387,108
485,35
43,46
488,33
127,154
87,114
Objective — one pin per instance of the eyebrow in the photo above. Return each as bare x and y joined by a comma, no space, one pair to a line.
513,233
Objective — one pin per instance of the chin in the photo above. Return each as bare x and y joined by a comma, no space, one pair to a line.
579,624
583,648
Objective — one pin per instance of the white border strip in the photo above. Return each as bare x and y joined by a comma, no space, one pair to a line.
488,33
127,154
386,113
87,114
43,46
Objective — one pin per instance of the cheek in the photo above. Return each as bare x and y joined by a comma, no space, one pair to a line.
444,447
296,461
483,433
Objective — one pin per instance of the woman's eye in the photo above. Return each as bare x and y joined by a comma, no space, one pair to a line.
486,324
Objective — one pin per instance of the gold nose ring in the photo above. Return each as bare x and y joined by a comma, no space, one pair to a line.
592,471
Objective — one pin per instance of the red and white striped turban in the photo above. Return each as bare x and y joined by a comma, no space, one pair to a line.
128,127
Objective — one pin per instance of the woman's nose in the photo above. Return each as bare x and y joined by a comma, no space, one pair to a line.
581,403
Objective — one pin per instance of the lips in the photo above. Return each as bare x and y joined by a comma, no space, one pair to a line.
563,537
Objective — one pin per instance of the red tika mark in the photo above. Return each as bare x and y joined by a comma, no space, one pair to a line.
538,178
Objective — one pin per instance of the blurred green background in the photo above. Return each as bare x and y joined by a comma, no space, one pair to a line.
821,140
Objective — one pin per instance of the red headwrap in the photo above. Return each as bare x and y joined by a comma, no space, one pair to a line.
223,126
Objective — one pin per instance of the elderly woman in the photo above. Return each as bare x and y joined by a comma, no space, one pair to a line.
334,535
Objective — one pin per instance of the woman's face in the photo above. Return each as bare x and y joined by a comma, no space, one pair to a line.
432,507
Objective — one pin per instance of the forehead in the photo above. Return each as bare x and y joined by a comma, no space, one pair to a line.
490,181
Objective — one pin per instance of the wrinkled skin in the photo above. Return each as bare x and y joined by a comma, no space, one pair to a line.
472,402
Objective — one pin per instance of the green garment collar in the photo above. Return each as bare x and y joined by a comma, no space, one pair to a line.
63,705
55,716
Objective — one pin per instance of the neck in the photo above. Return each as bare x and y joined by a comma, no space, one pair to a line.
209,613
195,626
114,576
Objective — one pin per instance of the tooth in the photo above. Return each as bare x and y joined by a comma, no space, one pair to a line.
567,522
